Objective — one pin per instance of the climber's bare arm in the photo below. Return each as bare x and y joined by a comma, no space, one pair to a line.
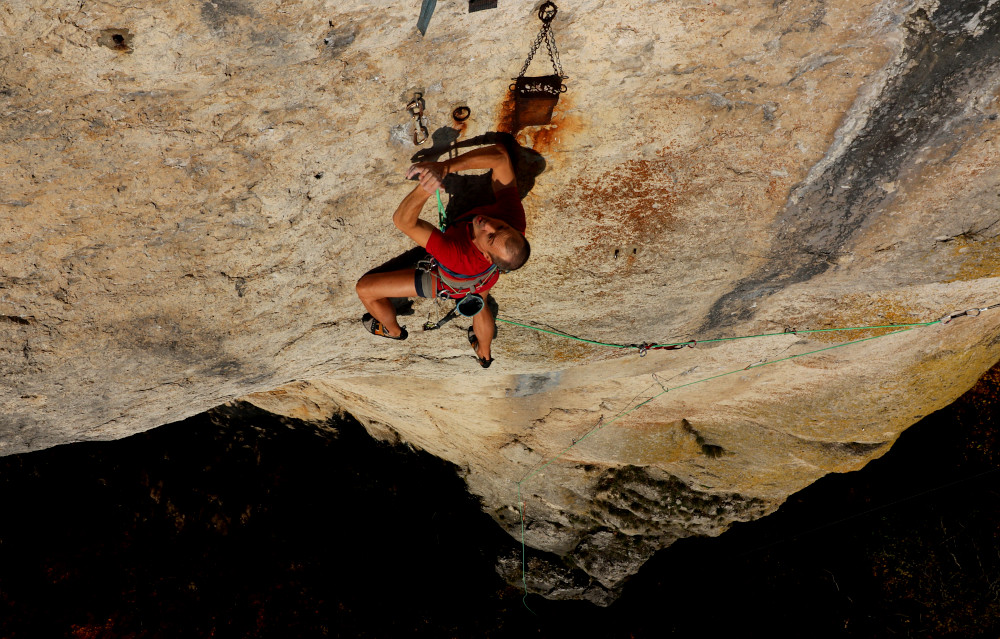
492,157
407,215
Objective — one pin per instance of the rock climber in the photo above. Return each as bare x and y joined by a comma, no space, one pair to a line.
467,258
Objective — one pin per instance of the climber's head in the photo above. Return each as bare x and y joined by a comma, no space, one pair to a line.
500,242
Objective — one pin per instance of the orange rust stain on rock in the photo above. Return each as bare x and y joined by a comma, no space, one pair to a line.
555,134
545,138
540,138
636,200
506,118
979,258
775,190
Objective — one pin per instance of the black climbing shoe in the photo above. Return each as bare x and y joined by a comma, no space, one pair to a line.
376,327
485,363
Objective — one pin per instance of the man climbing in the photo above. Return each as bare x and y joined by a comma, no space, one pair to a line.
468,257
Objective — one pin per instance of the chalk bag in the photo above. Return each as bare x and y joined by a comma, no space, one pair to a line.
536,96
470,305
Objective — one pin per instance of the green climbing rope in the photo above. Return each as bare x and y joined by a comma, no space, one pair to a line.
708,341
441,215
739,370
601,424
899,328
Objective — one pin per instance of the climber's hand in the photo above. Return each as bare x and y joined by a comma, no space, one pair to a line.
437,169
429,180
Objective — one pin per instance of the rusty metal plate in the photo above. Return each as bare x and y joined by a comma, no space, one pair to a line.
535,98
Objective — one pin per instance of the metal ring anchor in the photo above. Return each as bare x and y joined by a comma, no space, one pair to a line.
547,12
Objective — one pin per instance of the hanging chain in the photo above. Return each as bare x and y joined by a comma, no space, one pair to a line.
531,54
550,42
546,13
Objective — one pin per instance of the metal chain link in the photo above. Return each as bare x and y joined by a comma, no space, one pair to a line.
531,54
545,33
550,42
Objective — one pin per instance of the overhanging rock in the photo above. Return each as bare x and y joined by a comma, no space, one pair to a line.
192,189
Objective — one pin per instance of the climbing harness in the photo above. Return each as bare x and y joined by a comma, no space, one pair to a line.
416,108
458,285
536,96
455,286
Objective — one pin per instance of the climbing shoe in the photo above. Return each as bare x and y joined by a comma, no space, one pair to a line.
485,363
376,327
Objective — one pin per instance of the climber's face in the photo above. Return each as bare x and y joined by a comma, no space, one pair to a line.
491,235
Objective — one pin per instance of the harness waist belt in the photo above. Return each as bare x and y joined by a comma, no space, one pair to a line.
458,284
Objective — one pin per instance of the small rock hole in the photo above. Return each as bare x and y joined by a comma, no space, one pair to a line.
117,39
712,451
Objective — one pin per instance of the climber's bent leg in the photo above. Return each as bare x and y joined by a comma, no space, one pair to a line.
375,289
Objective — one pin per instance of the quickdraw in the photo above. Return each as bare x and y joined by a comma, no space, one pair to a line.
972,312
645,347
416,108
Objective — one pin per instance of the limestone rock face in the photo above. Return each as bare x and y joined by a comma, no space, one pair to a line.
190,191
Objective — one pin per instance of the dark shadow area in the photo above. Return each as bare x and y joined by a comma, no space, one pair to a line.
408,259
238,523
466,192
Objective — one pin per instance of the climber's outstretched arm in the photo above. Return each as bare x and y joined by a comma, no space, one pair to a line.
407,215
492,157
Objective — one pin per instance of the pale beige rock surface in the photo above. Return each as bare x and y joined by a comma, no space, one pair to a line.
190,191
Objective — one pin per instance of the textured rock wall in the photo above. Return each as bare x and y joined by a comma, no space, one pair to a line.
190,191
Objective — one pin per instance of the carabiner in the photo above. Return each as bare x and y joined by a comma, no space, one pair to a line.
418,128
416,108
972,312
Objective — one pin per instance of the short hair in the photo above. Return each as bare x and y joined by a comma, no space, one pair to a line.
517,250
